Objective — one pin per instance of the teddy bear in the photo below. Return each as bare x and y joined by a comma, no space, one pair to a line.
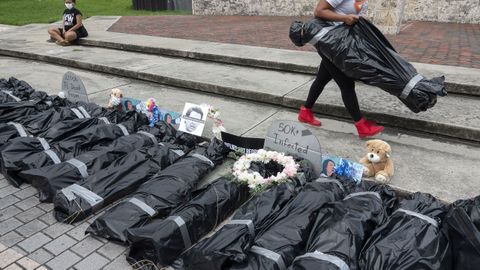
115,99
377,162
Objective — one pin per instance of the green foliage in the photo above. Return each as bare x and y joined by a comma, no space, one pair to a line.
21,12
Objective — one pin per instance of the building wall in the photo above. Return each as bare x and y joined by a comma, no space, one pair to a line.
460,11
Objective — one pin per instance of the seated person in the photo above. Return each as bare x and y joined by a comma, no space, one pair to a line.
72,29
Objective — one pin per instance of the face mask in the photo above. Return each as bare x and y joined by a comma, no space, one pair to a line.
69,6
115,101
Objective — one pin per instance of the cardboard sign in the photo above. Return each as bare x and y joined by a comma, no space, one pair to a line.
294,139
73,87
193,119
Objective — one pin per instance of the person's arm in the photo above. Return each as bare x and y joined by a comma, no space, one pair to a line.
79,23
325,11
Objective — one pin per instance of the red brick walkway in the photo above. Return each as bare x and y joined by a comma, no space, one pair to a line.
425,42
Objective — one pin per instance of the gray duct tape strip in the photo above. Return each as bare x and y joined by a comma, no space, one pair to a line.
204,158
179,152
82,168
183,230
147,209
44,143
53,156
21,131
270,255
327,180
104,119
420,216
150,135
326,257
10,94
71,192
410,85
84,112
362,194
77,113
124,129
246,222
320,35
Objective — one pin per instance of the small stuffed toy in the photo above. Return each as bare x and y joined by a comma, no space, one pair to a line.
115,99
377,162
153,113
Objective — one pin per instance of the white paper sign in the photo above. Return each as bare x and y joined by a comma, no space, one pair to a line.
73,87
193,119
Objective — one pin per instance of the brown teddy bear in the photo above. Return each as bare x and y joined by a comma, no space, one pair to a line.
115,101
377,162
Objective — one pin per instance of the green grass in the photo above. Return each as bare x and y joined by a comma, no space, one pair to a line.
21,12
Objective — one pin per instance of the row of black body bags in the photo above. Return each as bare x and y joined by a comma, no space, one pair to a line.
49,179
233,241
123,176
36,152
161,241
164,192
285,236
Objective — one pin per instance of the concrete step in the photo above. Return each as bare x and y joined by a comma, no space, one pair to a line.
453,116
459,80
445,168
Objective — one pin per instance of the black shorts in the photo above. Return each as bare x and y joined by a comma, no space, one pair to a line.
81,32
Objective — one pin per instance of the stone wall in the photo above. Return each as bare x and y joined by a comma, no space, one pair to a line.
461,11
386,14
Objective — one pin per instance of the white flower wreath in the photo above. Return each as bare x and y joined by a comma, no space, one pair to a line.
254,179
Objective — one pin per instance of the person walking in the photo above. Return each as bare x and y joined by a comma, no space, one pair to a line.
338,12
72,26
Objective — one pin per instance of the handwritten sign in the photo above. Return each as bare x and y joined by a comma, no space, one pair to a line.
294,139
73,87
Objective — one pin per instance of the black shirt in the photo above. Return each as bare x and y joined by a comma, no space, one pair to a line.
70,17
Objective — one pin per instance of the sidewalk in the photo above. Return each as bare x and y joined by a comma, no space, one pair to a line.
424,42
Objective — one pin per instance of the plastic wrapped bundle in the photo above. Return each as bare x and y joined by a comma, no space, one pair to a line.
14,110
38,124
157,197
410,239
234,239
286,236
14,90
123,176
51,178
463,227
341,230
36,152
363,53
162,241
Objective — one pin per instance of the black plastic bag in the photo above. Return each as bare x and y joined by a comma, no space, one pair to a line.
49,179
162,241
363,53
234,239
123,176
14,90
35,152
341,230
462,225
410,239
157,197
285,237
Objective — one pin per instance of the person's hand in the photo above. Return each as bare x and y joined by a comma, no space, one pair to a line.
351,19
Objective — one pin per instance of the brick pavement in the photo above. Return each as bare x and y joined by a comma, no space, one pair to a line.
425,42
31,238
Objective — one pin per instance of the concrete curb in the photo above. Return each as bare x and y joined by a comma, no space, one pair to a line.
452,87
442,129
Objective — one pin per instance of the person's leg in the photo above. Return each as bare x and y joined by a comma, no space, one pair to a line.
70,36
55,33
349,97
323,77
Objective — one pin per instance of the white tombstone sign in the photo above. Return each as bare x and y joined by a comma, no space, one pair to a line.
73,87
294,139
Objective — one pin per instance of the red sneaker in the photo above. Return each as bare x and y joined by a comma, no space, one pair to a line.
367,128
306,116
